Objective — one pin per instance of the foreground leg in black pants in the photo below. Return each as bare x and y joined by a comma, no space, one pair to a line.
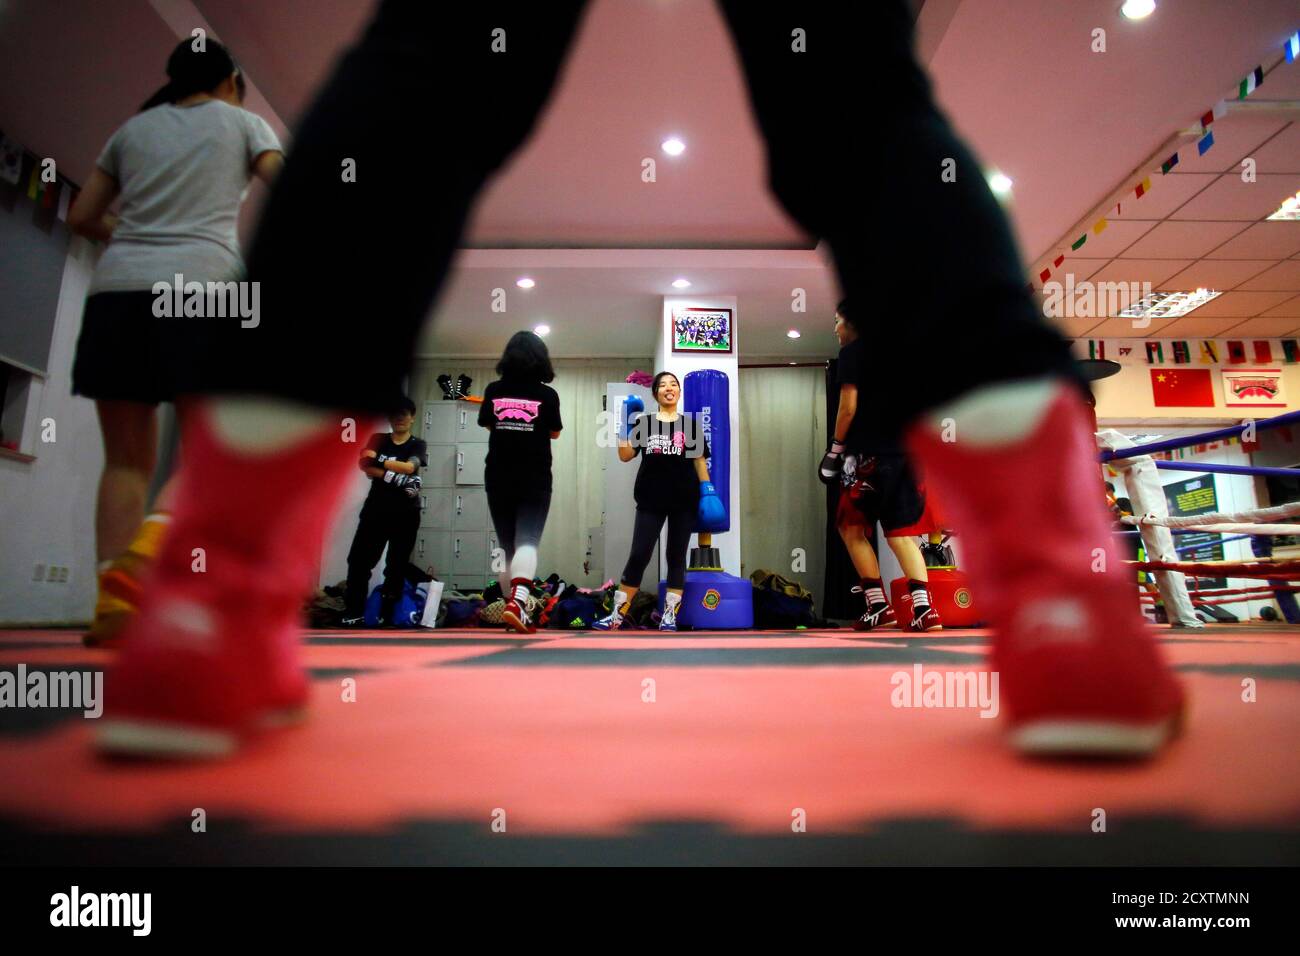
855,141
423,109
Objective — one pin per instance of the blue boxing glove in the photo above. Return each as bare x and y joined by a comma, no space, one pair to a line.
632,407
713,517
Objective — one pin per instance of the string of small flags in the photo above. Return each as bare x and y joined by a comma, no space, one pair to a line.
1248,84
23,169
1209,351
1178,454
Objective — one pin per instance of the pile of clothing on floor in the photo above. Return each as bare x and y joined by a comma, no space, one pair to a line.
553,603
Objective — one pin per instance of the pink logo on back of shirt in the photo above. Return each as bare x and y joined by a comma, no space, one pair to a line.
518,409
679,439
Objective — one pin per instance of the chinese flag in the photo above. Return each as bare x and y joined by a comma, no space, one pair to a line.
1182,388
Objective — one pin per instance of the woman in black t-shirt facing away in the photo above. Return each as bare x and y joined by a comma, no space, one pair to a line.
672,485
523,413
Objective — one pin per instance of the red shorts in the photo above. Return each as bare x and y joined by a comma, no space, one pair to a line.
884,489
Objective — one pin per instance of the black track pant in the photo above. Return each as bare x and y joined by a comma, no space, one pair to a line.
856,153
380,526
519,518
645,532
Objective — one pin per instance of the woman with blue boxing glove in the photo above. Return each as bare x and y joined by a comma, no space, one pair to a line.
672,486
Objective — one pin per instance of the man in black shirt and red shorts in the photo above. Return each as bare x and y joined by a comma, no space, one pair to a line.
877,485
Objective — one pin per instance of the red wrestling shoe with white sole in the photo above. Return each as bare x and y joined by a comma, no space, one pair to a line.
213,656
926,620
516,618
1080,672
199,672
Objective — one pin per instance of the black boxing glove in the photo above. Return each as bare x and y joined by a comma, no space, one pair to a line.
828,473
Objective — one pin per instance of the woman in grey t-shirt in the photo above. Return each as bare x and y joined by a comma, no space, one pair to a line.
179,169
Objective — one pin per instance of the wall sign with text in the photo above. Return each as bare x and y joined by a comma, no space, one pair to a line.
1253,388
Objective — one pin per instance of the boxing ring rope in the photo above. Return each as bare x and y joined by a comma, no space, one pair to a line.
1157,528
1197,547
1193,547
1226,469
1261,515
1223,527
1170,444
1281,570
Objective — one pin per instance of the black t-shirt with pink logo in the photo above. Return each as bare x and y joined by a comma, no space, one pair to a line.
522,415
667,480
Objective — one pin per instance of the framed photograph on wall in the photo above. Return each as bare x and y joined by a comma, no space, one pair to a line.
702,330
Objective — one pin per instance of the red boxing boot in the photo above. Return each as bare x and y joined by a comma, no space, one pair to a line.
1080,672
213,655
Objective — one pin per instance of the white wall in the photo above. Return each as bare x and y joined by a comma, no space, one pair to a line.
681,364
47,507
1127,394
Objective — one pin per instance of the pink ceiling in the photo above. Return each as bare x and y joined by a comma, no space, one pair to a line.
1068,125
288,46
72,71
1017,76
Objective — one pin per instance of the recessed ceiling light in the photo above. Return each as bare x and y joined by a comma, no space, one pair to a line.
1138,9
542,329
1290,208
681,284
525,283
1168,305
674,146
1000,184
792,334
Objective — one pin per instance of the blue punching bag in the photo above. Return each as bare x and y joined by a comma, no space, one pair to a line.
706,396
714,599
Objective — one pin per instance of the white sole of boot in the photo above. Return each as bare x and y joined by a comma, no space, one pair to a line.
144,738
1065,738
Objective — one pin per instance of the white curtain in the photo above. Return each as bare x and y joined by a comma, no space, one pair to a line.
577,502
783,438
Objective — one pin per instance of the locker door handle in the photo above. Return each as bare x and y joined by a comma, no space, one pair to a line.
462,419
458,547
421,547
460,461
459,510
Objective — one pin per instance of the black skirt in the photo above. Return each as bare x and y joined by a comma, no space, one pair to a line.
124,352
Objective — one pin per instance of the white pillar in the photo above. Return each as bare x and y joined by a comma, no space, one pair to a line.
681,363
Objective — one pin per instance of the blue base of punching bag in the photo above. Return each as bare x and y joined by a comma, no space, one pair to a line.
714,600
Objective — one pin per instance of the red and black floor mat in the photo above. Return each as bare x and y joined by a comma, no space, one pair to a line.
468,747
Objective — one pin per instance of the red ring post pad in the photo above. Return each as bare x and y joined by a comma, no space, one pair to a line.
707,395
